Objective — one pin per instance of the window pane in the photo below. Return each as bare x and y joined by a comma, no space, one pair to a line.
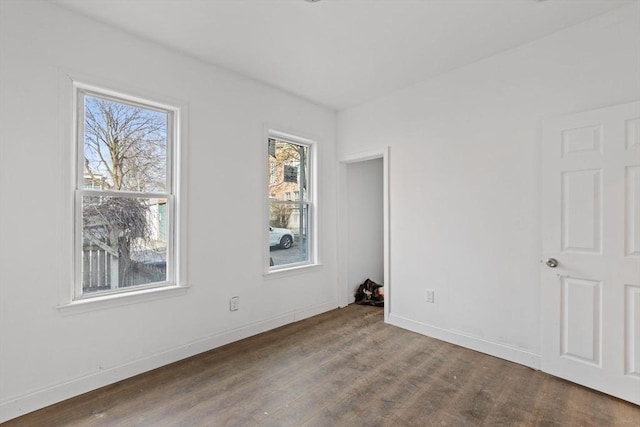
288,233
123,242
125,146
288,170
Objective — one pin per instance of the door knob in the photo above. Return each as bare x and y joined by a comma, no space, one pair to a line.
551,262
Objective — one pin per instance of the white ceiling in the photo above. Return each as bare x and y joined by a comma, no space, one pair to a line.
340,53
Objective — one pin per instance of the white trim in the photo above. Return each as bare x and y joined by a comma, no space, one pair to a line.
137,295
16,406
68,157
291,271
180,165
506,352
126,194
344,293
363,156
122,97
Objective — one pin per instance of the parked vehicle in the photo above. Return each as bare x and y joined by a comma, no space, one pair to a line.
282,237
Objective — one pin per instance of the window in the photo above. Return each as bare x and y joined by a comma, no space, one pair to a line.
290,220
125,194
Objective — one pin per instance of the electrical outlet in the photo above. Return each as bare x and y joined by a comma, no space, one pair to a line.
234,303
429,295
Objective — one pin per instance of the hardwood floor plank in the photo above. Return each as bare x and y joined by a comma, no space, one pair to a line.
342,368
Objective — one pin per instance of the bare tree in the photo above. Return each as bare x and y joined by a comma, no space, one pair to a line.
286,154
280,215
125,149
118,223
126,144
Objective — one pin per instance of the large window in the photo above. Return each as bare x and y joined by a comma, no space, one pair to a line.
290,218
125,193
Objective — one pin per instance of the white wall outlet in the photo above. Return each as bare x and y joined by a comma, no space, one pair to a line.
429,295
234,303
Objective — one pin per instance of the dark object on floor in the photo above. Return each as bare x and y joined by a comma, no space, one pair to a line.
370,293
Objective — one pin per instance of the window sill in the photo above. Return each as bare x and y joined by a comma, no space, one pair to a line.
291,271
118,300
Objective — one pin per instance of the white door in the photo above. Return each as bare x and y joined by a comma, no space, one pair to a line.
591,227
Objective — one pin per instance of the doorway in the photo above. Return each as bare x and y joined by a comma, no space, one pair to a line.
363,239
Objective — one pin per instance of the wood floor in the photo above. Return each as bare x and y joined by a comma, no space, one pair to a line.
342,368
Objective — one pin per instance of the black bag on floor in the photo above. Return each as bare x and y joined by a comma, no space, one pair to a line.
370,293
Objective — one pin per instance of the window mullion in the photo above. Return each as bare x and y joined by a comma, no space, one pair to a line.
124,194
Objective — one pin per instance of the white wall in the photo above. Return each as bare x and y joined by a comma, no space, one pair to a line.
46,355
465,178
365,228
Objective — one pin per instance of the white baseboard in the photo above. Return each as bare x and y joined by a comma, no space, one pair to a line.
23,404
512,354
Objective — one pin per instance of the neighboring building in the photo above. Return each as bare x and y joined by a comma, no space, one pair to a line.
285,175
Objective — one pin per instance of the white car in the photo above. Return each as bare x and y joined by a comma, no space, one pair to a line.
282,237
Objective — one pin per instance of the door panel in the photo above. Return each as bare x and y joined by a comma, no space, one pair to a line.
582,140
632,226
581,211
633,133
632,342
591,226
581,327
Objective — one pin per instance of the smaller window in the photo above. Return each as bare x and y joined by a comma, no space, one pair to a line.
290,218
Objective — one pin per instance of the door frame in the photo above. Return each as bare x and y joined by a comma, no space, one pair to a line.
344,289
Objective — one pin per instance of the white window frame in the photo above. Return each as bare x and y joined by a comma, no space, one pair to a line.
81,90
272,174
312,203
